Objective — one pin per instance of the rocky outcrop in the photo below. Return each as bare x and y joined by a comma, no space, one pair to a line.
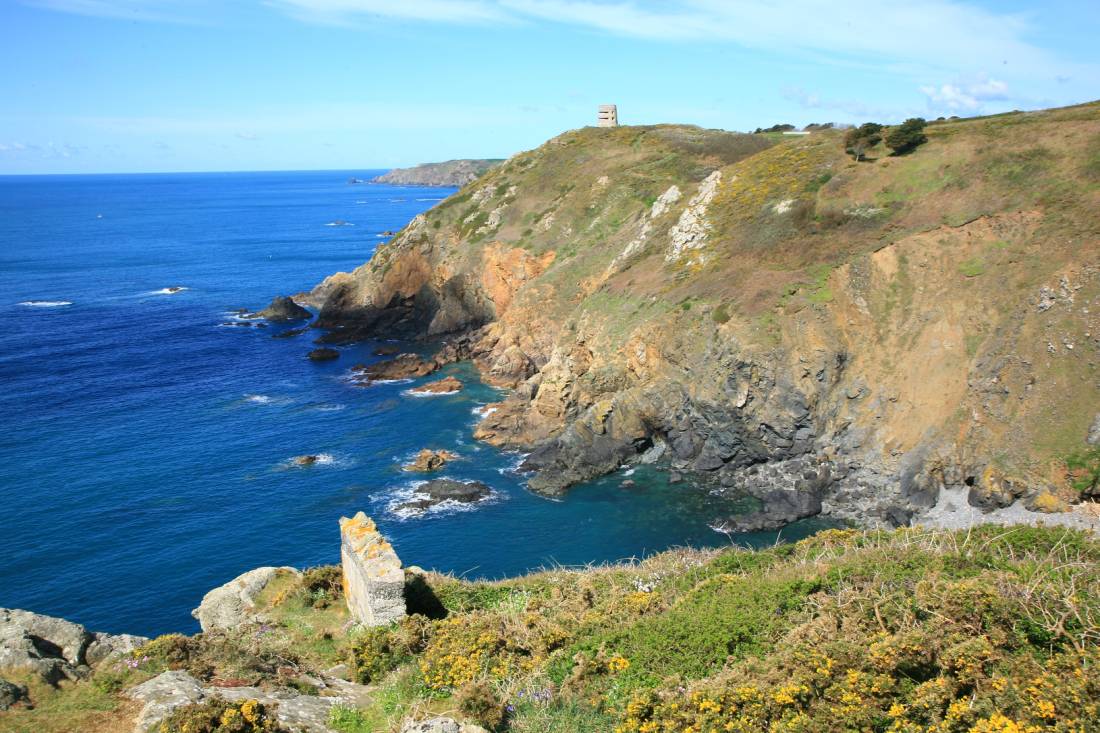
294,710
440,725
284,309
402,366
374,584
430,460
56,649
230,605
323,354
438,491
454,173
447,385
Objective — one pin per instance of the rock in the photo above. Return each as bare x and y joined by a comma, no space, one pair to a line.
449,173
403,366
675,477
163,694
289,333
441,490
230,605
387,350
104,647
374,584
323,354
1094,431
293,710
283,308
628,484
992,490
447,385
440,725
430,460
11,693
306,460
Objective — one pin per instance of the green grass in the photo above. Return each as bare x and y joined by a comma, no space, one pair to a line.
972,267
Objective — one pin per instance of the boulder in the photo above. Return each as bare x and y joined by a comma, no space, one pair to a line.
323,354
430,460
283,308
11,693
440,725
104,647
402,366
306,460
440,490
374,584
447,385
1093,437
163,694
230,605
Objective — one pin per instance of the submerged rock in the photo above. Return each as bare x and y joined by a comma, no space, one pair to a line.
230,605
440,490
323,354
283,308
430,460
374,584
447,385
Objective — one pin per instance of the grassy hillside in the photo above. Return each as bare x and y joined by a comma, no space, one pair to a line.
910,630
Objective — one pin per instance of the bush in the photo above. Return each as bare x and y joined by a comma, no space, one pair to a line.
907,136
721,314
322,585
220,716
1084,470
478,701
859,140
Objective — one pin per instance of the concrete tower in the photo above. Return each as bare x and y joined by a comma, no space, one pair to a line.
607,116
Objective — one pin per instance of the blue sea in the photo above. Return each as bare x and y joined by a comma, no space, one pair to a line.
147,445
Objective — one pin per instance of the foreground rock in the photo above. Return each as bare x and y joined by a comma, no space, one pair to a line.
323,354
440,725
403,366
293,710
55,649
282,309
430,460
11,694
440,490
230,605
447,385
374,584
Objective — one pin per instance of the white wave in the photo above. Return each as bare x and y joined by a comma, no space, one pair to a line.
484,410
437,198
327,407
513,468
362,202
259,399
628,472
46,303
168,291
414,393
360,380
339,223
324,460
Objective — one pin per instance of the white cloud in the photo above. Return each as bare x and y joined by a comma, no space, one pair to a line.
439,11
965,97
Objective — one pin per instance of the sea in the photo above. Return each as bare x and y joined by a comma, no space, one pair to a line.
148,438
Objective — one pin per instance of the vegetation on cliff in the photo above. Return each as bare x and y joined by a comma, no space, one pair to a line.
906,630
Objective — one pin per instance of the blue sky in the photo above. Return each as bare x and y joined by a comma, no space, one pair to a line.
199,85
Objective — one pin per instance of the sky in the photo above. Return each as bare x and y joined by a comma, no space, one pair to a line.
95,86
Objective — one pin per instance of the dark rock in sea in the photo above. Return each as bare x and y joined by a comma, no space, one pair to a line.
323,354
289,333
628,484
430,460
440,490
387,350
283,308
389,233
306,460
403,366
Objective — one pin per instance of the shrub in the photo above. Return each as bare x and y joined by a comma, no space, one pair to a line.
478,701
220,716
859,140
907,136
721,314
1084,469
322,585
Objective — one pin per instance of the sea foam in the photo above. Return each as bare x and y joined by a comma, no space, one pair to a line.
46,303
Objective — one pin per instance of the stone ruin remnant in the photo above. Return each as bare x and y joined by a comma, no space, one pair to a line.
374,583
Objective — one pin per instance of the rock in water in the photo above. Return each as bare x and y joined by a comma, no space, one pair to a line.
230,605
447,385
374,584
430,460
402,366
284,308
323,354
444,489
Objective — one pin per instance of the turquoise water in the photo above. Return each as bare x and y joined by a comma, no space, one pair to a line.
145,446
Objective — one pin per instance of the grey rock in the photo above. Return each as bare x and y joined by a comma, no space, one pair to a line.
284,309
49,647
440,725
440,490
163,694
230,605
1094,431
104,647
295,711
11,693
323,354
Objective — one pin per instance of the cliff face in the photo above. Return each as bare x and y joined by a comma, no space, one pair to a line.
450,173
770,314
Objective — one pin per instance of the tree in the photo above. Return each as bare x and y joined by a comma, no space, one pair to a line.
860,139
907,136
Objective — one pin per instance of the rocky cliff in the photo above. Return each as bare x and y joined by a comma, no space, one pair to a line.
782,321
450,173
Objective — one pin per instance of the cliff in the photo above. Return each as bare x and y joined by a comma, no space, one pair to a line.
828,336
454,173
